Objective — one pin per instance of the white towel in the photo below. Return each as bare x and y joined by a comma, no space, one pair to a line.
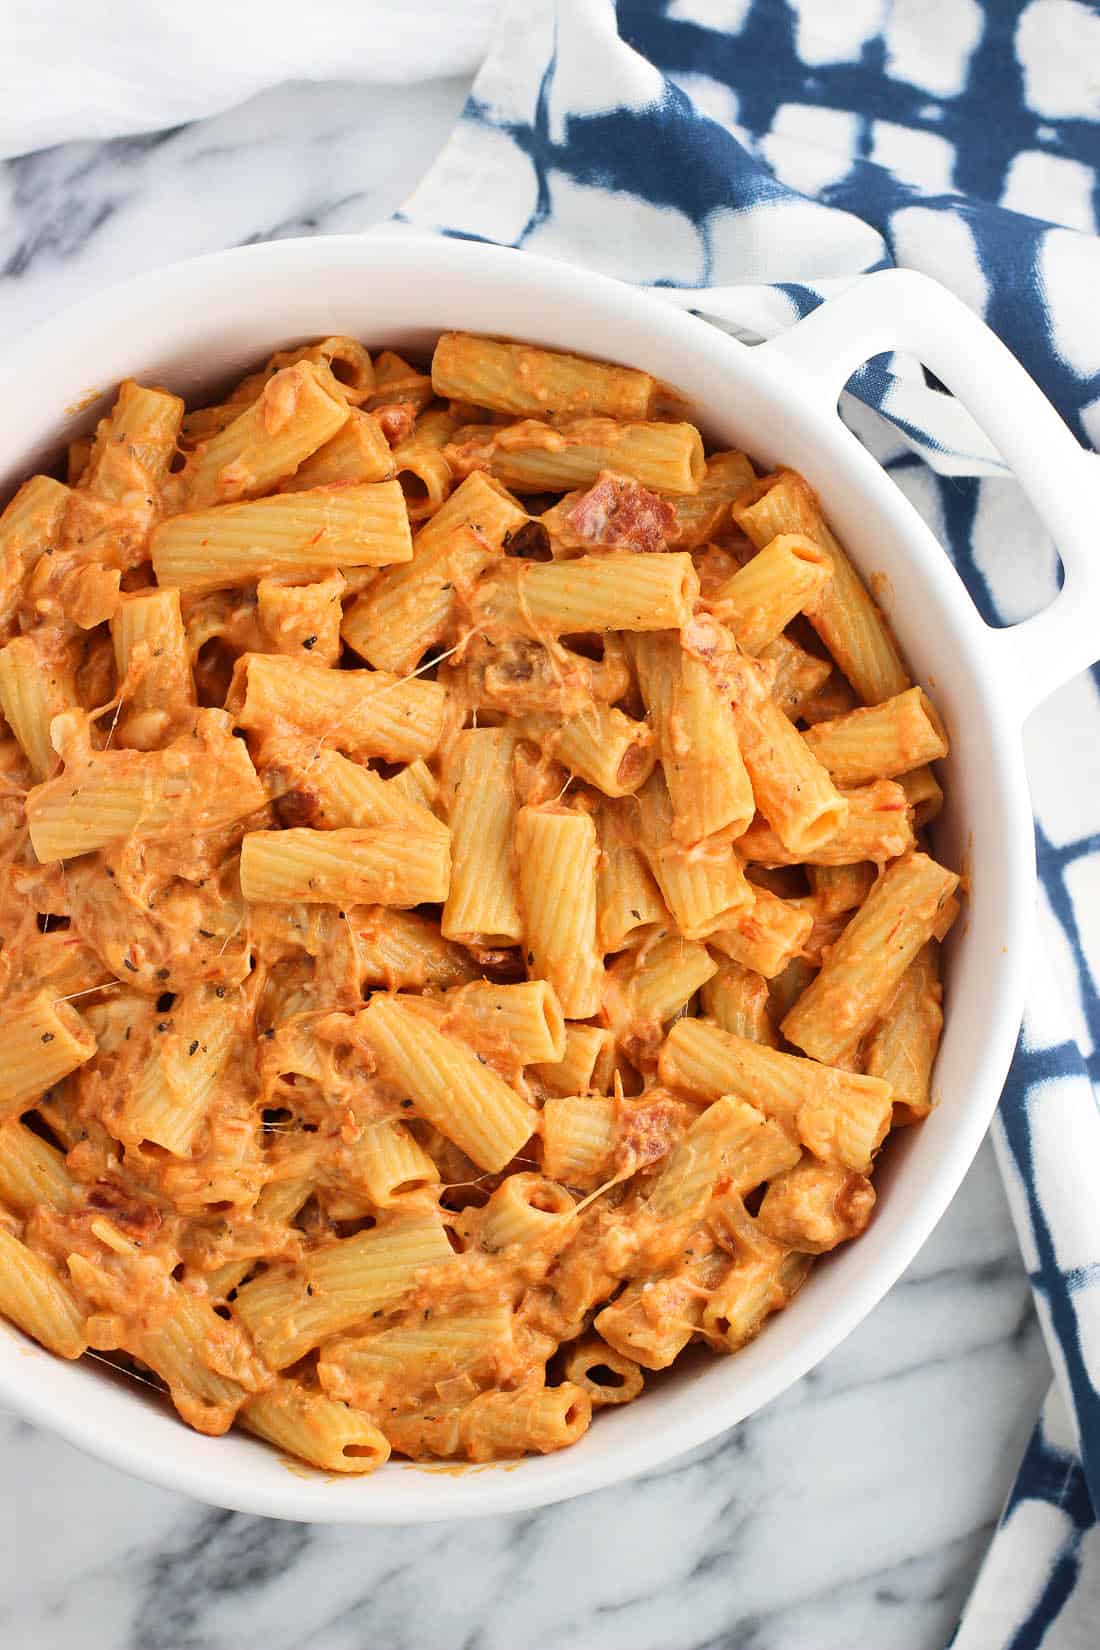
108,68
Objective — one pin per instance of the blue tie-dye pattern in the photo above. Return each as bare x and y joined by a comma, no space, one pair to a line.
1048,1474
646,142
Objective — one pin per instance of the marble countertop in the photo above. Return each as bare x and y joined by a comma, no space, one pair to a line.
851,1513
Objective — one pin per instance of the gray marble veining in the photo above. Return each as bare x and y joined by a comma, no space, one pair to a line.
850,1514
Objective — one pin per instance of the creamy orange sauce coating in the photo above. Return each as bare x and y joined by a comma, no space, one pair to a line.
234,1136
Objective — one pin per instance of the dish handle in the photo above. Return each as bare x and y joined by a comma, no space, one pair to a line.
900,309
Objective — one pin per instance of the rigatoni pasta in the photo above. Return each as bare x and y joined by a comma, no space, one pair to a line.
33,690
897,919
845,615
459,947
760,599
530,382
704,770
556,854
299,533
533,457
294,415
483,897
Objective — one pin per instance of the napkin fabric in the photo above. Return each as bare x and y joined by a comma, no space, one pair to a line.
749,158
765,156
109,68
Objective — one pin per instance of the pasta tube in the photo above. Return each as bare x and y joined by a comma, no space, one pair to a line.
302,618
579,1132
393,1163
394,1366
607,1376
288,1310
315,1429
400,950
43,1039
866,965
737,1000
839,1114
170,1097
425,477
731,1142
760,1284
903,1046
617,590
654,1318
766,935
759,601
29,526
294,415
37,1300
413,608
702,885
531,382
483,900
798,675
389,865
458,1093
814,1206
627,898
556,854
135,445
357,453
649,987
701,516
701,756
496,1425
525,1018
532,457
361,712
112,795
526,1210
32,1172
306,533
879,741
175,1339
34,688
877,828
342,362
149,639
587,1065
793,791
601,745
844,615
923,793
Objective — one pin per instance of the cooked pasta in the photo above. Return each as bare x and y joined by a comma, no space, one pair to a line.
457,949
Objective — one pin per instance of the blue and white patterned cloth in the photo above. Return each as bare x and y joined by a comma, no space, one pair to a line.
779,151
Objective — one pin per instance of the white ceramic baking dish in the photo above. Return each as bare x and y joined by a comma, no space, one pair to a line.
196,324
